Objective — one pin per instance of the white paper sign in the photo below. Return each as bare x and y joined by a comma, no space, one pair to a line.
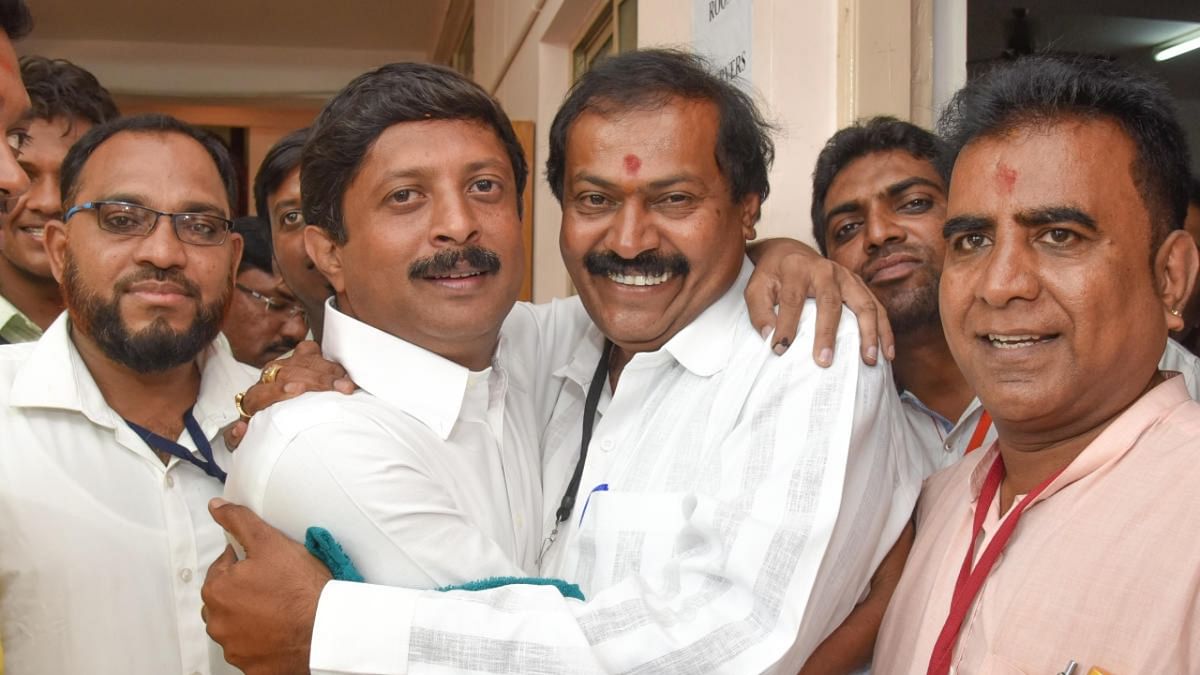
722,30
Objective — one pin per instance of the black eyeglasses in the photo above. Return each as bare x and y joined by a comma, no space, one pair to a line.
133,220
287,309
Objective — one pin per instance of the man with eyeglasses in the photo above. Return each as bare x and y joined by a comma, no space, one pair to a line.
265,321
111,420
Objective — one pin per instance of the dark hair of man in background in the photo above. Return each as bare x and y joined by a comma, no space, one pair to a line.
281,160
148,123
1044,89
878,134
59,88
15,19
256,243
368,106
645,80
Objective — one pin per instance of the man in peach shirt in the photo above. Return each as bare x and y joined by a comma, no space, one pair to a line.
1065,269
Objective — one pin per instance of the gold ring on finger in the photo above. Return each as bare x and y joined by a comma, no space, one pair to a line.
269,373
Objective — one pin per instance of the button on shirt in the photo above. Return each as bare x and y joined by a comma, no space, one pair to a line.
945,443
15,327
1103,569
747,499
104,547
428,476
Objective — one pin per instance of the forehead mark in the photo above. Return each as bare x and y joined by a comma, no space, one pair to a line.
632,164
1006,178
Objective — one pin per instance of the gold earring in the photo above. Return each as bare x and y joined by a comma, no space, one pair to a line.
1176,312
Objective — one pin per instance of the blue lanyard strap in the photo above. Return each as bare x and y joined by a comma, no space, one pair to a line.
208,465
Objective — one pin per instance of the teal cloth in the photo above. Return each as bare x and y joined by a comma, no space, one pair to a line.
321,544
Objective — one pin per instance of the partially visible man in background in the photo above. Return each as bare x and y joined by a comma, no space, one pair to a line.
264,321
277,199
66,101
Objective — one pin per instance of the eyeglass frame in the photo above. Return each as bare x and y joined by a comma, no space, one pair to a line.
271,303
96,204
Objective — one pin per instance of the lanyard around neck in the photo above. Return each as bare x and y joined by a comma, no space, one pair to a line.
981,429
590,404
208,465
971,579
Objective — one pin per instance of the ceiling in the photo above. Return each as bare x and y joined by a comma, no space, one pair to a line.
1126,29
382,25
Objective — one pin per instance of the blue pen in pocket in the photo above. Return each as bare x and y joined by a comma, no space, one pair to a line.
603,487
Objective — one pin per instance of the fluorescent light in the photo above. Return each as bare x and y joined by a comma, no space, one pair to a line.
1175,50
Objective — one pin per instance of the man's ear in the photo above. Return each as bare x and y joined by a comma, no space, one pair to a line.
751,209
54,237
326,254
238,244
1175,268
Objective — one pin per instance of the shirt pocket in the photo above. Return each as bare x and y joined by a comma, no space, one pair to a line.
632,533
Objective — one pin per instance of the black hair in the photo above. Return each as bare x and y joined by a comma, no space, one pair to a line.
15,19
256,243
282,159
866,137
646,79
1194,192
59,88
153,123
350,124
1040,90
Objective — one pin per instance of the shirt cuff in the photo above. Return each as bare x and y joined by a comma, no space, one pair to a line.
362,628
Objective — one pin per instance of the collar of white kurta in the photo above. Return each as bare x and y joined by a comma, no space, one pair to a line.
423,384
703,346
55,376
1106,449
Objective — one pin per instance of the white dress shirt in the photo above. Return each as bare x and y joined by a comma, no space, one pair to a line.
103,548
427,476
945,443
747,500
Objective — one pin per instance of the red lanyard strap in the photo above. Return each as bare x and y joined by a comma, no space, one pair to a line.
970,581
981,429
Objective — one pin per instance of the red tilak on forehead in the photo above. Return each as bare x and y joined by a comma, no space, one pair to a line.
632,164
1006,178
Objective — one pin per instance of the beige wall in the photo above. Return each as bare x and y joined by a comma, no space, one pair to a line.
815,65
162,69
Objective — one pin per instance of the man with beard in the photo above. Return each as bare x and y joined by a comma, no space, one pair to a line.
879,202
722,506
66,102
111,420
264,321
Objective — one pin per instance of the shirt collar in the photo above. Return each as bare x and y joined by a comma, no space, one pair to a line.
1111,445
703,346
14,325
55,376
423,384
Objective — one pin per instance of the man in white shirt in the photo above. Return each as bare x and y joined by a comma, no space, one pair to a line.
733,505
111,421
428,475
879,202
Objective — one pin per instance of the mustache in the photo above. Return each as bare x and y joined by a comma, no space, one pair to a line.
648,263
444,262
176,277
